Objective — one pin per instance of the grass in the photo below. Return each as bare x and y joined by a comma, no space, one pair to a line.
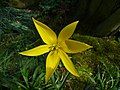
107,77
25,73
98,67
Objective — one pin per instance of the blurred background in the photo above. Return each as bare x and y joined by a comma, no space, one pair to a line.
99,26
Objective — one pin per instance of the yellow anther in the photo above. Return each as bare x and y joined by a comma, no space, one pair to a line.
54,47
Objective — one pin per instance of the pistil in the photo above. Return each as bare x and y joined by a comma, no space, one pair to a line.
54,47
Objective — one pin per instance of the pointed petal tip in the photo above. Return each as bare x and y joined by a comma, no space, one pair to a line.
90,46
46,81
33,18
20,53
77,21
77,74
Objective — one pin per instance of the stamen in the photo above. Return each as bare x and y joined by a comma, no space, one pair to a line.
54,47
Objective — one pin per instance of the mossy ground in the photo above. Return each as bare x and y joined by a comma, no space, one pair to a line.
98,67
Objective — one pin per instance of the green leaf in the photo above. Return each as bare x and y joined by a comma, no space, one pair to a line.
39,79
25,76
35,74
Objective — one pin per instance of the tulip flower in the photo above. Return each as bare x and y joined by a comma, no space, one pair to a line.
57,47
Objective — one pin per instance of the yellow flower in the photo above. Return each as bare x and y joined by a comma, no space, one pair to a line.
58,47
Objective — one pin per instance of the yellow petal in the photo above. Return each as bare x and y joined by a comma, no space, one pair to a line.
36,51
47,34
67,63
67,31
51,64
64,47
75,46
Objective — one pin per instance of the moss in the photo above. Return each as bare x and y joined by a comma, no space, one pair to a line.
103,49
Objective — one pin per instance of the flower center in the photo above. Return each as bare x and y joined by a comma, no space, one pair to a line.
54,47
